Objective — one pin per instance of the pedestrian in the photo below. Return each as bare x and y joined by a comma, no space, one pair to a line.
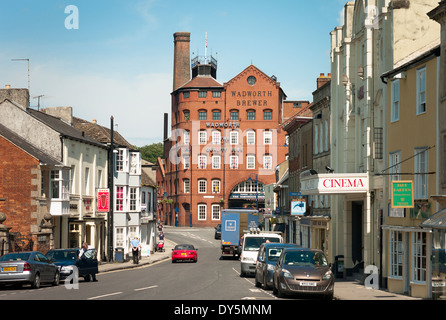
160,227
84,249
135,250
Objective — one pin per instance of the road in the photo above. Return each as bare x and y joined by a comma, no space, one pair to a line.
211,278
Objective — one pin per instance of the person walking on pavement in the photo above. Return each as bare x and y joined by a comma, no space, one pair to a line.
135,250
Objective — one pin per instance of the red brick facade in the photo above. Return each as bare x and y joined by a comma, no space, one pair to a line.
18,182
248,107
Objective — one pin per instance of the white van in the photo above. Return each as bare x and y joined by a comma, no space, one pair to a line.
250,249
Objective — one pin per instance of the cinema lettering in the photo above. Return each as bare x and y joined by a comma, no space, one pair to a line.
251,98
334,183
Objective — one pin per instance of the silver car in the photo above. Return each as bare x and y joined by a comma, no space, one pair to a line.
28,267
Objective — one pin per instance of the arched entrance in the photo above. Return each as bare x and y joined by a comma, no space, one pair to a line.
248,193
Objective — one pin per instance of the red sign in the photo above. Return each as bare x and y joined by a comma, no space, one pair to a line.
103,200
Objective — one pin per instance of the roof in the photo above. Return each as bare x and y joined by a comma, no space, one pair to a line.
201,81
148,175
35,152
63,127
435,221
100,133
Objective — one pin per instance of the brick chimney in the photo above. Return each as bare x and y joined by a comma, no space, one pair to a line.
181,59
322,79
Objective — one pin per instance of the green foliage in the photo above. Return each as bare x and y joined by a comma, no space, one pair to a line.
152,151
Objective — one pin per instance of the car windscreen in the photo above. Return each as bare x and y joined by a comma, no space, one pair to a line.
184,247
254,243
65,255
18,256
305,259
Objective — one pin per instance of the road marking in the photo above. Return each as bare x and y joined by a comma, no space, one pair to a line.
146,288
105,295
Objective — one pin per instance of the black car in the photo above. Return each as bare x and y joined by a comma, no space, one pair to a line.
68,259
218,231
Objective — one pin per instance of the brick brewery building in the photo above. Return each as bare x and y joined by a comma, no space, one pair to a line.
232,130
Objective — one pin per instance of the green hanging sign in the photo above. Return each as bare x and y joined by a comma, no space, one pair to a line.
402,194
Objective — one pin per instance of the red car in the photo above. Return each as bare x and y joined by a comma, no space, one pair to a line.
184,252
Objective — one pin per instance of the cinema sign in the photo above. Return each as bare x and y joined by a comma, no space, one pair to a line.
334,183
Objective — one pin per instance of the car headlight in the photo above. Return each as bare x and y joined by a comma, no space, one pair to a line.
67,268
287,274
327,275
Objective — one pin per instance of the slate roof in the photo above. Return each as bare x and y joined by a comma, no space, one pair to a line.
21,143
436,221
201,81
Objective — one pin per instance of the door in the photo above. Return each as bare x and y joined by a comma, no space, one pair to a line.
357,236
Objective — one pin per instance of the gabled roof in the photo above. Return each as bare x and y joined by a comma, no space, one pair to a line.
63,127
100,133
24,145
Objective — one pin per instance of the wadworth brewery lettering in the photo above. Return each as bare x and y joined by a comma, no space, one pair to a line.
251,98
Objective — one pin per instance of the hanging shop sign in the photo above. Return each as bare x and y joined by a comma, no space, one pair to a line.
103,200
334,183
298,207
402,194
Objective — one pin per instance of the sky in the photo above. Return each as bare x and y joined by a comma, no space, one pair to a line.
118,59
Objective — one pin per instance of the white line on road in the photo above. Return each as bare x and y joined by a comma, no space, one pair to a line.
151,287
105,295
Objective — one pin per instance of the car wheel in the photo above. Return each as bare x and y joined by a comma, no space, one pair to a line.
280,293
87,278
36,281
56,279
274,287
258,284
173,261
264,285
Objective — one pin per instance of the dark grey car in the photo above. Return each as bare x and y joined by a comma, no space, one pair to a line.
28,267
269,254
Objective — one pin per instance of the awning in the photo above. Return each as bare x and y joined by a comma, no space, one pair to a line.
435,221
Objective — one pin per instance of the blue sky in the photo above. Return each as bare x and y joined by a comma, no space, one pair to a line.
119,61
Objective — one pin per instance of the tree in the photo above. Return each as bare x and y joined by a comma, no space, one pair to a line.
152,151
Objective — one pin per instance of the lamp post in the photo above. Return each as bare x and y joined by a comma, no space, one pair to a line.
111,193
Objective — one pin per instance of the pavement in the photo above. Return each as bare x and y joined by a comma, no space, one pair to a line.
345,289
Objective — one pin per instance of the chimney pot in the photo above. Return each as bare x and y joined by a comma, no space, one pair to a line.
8,86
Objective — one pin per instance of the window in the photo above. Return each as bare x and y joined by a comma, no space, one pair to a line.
316,139
186,115
120,160
395,104
234,115
186,185
216,162
202,115
267,162
133,198
135,163
186,161
250,162
202,94
233,137
267,115
216,94
201,212
202,137
215,212
421,90
419,254
120,237
186,137
60,185
394,168
421,176
215,186
233,162
216,115
202,161
250,115
251,137
216,137
99,179
396,254
87,181
119,198
267,137
186,94
202,186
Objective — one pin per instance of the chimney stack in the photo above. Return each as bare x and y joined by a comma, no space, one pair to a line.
181,62
322,79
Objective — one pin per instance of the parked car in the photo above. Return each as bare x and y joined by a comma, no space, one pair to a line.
183,252
303,271
218,231
269,254
28,267
68,259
